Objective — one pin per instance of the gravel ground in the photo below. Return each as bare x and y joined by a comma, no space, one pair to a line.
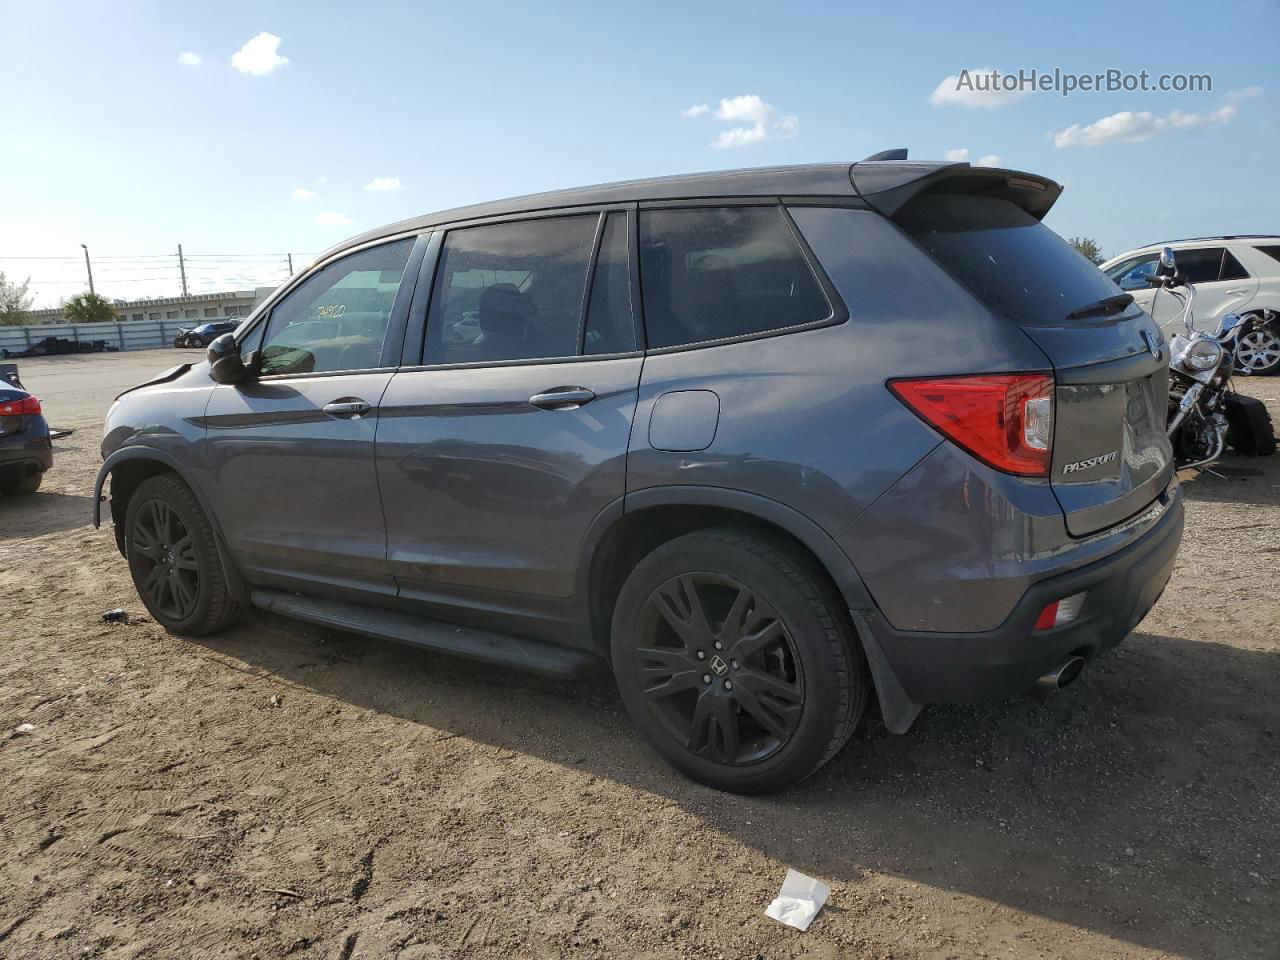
284,791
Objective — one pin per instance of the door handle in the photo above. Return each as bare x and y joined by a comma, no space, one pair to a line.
562,398
1237,293
347,408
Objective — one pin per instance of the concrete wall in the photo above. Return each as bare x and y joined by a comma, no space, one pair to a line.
133,335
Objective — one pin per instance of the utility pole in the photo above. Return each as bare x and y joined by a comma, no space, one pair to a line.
88,267
290,256
182,268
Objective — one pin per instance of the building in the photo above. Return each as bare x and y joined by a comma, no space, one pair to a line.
196,308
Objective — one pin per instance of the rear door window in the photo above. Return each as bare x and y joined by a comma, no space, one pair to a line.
1200,264
511,291
610,325
708,273
1007,258
1232,269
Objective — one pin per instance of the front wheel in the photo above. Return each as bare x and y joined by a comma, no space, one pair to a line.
735,658
173,559
1258,351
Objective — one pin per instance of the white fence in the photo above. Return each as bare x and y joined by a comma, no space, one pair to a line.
125,335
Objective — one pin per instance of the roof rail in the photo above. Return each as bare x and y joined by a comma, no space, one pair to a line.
1229,236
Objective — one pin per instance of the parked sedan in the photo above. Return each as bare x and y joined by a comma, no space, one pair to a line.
26,451
204,334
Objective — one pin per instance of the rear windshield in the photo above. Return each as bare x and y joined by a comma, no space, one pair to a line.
1010,260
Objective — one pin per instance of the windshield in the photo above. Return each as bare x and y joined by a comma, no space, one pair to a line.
1009,260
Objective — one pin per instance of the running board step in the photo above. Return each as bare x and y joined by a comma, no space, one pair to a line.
499,649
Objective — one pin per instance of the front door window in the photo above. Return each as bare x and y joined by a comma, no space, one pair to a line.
337,319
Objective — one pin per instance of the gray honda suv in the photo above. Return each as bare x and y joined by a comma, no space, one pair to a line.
765,441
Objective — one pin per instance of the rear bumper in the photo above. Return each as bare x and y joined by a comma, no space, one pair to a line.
993,665
29,448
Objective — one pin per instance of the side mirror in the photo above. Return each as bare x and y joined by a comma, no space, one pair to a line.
225,365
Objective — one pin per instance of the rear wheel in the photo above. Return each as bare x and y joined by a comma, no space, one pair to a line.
736,660
20,482
173,558
1258,351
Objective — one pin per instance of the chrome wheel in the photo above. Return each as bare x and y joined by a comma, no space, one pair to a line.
718,668
168,567
1258,351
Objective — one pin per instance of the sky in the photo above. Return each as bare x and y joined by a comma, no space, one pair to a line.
249,131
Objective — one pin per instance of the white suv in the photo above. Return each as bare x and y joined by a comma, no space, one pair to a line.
1239,274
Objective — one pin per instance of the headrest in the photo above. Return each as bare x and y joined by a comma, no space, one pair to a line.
504,310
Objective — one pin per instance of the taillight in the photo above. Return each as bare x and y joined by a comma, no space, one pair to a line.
1003,419
19,408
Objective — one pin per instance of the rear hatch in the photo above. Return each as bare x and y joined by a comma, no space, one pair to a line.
1111,457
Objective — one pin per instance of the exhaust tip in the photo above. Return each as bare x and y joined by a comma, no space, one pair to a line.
1063,675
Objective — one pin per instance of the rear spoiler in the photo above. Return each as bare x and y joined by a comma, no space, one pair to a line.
888,185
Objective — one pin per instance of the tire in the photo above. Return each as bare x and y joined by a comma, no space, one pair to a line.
173,559
1258,351
772,606
20,482
1249,429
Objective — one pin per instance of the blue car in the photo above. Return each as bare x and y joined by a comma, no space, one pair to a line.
204,334
26,451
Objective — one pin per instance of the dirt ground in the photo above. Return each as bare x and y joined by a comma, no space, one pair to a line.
284,791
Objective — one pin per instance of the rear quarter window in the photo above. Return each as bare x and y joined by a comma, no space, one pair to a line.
710,273
1007,258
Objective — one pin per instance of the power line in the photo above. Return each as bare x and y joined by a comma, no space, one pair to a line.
147,256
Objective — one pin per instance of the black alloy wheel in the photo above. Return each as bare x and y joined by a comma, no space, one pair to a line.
174,558
719,668
167,561
736,657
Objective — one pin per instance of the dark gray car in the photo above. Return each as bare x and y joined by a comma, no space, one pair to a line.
766,441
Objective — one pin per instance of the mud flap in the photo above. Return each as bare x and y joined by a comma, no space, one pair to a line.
897,709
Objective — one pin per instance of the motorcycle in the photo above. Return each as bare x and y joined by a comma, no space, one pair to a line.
1205,413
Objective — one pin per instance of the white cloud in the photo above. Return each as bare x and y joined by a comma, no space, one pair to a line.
1237,95
787,128
1135,127
330,218
383,184
189,59
302,193
972,89
740,137
747,108
961,154
755,121
258,56
322,179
